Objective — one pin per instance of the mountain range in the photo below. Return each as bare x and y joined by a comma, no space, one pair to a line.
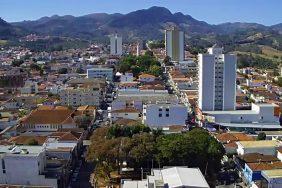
141,24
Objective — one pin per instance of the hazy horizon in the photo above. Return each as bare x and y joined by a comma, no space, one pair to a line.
256,11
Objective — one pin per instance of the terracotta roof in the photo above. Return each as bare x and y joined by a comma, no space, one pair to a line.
233,137
257,157
264,166
67,136
49,115
146,76
23,140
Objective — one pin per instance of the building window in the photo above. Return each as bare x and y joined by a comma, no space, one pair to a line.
167,109
160,115
261,117
167,115
241,117
3,166
160,109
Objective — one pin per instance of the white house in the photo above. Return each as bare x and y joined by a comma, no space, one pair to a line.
127,77
164,114
265,147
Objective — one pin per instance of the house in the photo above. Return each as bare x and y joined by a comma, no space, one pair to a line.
252,171
265,147
164,114
127,77
272,178
146,78
46,118
229,140
172,177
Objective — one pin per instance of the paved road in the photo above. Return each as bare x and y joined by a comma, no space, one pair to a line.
83,176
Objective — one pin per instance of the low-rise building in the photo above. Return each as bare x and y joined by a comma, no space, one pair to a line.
106,73
24,165
46,118
173,177
265,147
82,95
164,114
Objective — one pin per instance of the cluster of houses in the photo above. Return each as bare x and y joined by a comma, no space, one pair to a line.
258,162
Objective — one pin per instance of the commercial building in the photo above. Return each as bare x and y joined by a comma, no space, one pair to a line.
173,177
260,116
81,96
24,165
100,72
164,114
217,80
174,44
116,45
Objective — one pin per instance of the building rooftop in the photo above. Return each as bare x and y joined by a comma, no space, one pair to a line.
271,174
49,115
21,150
259,143
183,177
257,157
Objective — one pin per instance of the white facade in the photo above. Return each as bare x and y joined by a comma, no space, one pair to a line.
30,87
24,165
259,114
81,96
217,80
172,177
127,77
106,73
116,45
174,44
164,115
265,147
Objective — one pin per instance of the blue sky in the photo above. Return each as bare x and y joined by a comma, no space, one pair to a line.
267,12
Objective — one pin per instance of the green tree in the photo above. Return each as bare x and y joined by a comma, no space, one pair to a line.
167,61
63,71
261,136
155,70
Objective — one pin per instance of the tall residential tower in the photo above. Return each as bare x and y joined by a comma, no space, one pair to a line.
174,44
116,45
217,80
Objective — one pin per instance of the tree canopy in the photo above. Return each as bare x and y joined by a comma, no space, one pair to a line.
146,64
139,146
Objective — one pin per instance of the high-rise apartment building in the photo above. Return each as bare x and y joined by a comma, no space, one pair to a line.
174,44
116,45
217,80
